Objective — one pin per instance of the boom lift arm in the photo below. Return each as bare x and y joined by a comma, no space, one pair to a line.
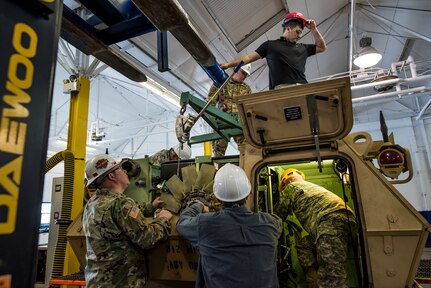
227,127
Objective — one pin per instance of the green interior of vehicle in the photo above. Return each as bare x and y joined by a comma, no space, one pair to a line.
334,177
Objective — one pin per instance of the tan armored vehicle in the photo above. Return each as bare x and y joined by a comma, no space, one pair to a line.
306,127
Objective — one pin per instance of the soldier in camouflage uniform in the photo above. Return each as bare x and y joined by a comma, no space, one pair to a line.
181,151
225,101
116,231
329,222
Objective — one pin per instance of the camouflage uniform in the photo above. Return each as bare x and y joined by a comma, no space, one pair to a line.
325,217
229,92
117,234
162,156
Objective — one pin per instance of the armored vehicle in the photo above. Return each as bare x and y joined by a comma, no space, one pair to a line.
304,127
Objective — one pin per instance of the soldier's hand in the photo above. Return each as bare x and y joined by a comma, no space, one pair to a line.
206,209
310,24
164,213
224,66
156,202
225,108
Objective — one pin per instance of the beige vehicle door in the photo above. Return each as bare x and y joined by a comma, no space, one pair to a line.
307,127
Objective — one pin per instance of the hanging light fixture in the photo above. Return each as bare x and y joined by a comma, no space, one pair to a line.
367,55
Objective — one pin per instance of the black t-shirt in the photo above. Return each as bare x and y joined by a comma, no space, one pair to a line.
286,61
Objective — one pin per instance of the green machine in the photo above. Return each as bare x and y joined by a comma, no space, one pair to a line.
225,125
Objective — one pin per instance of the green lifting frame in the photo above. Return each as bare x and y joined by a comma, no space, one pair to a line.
225,125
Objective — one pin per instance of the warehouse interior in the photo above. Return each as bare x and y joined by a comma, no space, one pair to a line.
134,98
229,30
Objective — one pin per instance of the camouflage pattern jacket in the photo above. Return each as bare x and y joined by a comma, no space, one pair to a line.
158,158
229,92
117,233
309,203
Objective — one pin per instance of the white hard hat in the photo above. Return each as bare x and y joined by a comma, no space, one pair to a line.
183,151
97,166
246,68
231,184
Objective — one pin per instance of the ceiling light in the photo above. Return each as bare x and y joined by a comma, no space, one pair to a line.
367,55
157,89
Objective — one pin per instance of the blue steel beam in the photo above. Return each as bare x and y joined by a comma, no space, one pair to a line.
104,10
218,75
162,51
82,35
127,21
125,30
167,15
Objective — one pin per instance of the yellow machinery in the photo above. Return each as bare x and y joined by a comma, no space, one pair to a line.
306,127
30,32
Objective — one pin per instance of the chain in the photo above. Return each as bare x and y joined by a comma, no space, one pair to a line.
183,109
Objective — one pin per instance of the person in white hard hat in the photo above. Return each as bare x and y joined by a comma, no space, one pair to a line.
237,247
286,57
116,230
226,102
179,151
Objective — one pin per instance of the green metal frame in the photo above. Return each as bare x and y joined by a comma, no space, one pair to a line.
225,125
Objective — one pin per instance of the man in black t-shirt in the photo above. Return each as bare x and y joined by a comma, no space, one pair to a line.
285,57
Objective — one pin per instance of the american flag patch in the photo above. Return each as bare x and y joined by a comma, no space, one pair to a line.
134,211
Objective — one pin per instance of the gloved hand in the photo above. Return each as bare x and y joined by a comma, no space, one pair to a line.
221,106
205,208
202,197
220,103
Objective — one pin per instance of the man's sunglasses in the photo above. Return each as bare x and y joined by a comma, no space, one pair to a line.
119,167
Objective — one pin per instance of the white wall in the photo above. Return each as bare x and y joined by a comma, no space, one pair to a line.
414,135
57,171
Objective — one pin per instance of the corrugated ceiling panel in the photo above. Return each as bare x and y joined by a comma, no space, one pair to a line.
243,21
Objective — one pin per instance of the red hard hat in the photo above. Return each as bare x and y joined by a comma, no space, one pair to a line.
294,15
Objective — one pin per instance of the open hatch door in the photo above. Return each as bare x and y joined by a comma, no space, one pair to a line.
299,115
